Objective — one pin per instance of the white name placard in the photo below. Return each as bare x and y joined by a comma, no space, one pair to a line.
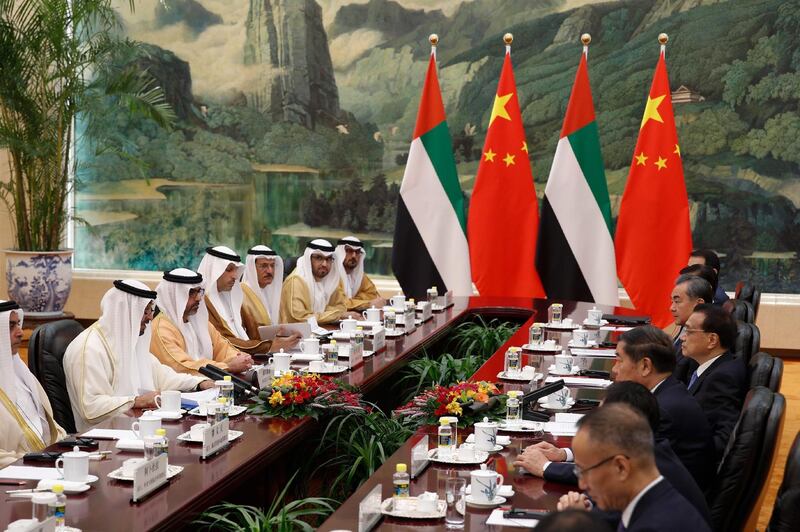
264,375
369,509
378,338
215,438
426,311
149,476
409,321
419,457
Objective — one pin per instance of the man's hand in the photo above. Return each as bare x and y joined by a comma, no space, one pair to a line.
574,501
378,302
206,384
353,314
550,451
533,461
241,363
147,400
285,342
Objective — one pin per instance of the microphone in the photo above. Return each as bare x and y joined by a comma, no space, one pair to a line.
215,373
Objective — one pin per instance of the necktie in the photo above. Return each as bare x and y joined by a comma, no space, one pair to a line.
692,380
621,527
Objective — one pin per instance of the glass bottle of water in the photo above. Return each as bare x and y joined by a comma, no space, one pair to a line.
389,320
161,446
445,447
513,360
513,406
225,389
433,293
536,334
401,481
59,506
358,343
222,410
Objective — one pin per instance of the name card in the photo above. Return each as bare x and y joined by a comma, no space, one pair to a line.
409,321
215,438
419,457
369,509
426,311
149,476
378,338
265,375
356,355
448,299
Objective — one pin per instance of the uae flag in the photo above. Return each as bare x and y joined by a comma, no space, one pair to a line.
575,251
653,238
503,210
430,242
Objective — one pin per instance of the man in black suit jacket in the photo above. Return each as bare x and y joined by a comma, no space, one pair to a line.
690,290
535,458
615,464
644,355
706,257
716,379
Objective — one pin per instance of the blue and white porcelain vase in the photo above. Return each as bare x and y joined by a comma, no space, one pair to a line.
39,281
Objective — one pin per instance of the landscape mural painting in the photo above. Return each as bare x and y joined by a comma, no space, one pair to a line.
294,119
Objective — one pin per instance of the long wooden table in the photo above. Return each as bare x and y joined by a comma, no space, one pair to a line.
250,463
530,492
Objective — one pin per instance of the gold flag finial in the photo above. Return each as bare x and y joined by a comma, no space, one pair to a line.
508,39
433,39
663,38
586,39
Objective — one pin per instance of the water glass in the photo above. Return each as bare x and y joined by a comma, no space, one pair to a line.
454,496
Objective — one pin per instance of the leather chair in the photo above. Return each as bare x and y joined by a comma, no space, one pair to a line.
755,302
289,264
740,310
786,512
45,359
744,341
740,477
744,290
776,376
759,370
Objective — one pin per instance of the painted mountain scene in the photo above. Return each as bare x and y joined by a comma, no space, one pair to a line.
294,119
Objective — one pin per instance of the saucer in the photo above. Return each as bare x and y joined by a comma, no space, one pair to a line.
89,479
411,512
305,357
551,408
496,449
590,344
365,354
172,470
168,414
552,371
519,376
480,457
593,325
523,426
394,333
562,326
543,348
498,500
235,410
327,371
187,436
501,440
69,487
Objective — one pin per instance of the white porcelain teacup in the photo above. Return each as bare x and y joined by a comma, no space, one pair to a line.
317,365
169,401
348,325
129,466
73,465
484,484
427,502
280,361
398,301
485,435
563,364
196,432
567,322
595,316
146,425
372,314
309,346
580,337
558,399
466,453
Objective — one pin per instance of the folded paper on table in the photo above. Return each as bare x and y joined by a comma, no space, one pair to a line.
578,352
110,434
30,473
614,328
580,381
130,445
561,429
496,518
190,400
563,417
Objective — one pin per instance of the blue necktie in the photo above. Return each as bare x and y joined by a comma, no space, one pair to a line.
692,380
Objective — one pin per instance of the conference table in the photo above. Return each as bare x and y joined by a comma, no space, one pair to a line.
256,463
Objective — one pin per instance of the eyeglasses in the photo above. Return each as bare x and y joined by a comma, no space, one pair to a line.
690,331
197,292
580,471
320,258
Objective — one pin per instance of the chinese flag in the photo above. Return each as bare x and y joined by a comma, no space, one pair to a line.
503,213
653,238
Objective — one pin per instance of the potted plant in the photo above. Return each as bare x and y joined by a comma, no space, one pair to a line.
53,52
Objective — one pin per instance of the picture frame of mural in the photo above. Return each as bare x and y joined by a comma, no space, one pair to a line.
295,118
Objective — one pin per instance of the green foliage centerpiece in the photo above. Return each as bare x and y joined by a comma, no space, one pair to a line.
469,401
293,395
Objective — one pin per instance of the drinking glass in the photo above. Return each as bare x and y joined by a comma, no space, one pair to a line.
454,496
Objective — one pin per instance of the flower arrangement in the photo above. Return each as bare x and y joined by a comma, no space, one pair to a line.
469,401
292,395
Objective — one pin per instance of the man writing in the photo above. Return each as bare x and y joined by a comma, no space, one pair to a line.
358,287
311,290
25,412
183,338
109,368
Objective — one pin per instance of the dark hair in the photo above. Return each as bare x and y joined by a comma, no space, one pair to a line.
647,341
696,287
638,396
619,426
573,521
706,272
718,321
709,257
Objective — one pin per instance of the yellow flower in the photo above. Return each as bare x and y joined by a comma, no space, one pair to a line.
470,394
276,398
454,407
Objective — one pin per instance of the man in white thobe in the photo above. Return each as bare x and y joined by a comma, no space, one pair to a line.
109,367
26,417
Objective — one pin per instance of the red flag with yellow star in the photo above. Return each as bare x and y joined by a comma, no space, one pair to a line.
503,213
654,238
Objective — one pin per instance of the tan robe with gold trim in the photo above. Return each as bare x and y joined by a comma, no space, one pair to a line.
16,437
254,315
366,293
296,304
245,345
169,346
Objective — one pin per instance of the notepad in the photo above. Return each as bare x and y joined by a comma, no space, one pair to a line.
110,434
496,518
561,429
190,400
30,473
580,381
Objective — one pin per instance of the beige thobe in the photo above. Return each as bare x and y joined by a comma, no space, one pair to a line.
16,436
296,304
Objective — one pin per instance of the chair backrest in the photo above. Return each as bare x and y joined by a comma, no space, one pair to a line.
744,290
45,359
730,494
740,310
744,342
289,264
786,512
756,302
766,455
759,370
755,339
776,376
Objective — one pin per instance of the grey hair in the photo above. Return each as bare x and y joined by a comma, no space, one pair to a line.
620,427
696,287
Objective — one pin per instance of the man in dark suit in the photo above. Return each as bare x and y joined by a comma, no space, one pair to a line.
716,379
534,458
689,291
706,257
644,355
615,464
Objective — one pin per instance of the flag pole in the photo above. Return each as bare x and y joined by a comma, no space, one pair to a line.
662,39
586,39
434,40
508,38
